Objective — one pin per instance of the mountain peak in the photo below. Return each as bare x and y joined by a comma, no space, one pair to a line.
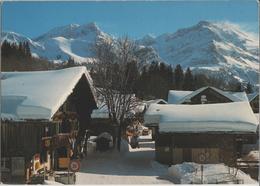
13,37
71,31
215,48
92,25
204,23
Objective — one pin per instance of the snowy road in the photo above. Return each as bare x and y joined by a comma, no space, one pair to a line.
134,167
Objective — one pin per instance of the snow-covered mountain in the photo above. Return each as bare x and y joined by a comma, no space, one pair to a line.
218,49
60,43
222,50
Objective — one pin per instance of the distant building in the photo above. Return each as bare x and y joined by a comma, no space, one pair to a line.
254,101
102,122
209,133
34,105
205,95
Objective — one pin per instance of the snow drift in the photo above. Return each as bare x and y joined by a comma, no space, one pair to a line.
188,173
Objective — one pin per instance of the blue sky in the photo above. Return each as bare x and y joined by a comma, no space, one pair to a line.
134,19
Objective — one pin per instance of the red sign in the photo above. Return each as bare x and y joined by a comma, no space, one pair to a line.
74,165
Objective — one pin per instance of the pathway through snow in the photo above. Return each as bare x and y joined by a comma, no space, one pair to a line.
134,167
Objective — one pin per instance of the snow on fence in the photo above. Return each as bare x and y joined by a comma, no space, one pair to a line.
190,173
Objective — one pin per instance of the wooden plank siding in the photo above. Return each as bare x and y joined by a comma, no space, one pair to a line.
173,148
24,138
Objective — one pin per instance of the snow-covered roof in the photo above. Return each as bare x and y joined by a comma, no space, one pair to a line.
242,96
39,94
152,114
179,97
156,101
176,95
101,112
252,96
226,117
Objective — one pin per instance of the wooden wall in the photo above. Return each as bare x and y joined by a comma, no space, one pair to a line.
177,148
24,138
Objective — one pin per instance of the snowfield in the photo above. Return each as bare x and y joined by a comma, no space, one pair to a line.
188,173
136,166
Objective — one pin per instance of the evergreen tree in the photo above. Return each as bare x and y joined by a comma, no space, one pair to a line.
249,88
201,80
17,57
178,77
70,63
27,49
239,87
188,83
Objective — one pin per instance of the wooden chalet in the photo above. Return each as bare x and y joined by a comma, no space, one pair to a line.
208,133
205,95
42,114
254,101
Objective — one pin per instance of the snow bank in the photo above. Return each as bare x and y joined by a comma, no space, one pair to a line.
208,117
50,182
188,173
39,94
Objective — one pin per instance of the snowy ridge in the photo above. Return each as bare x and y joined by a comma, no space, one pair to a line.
75,41
219,49
216,49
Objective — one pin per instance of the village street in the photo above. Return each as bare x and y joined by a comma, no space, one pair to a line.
134,167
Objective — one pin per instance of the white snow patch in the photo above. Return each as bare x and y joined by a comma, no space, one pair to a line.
189,173
135,166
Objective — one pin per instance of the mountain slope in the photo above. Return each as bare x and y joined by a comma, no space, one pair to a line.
60,43
221,50
215,48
